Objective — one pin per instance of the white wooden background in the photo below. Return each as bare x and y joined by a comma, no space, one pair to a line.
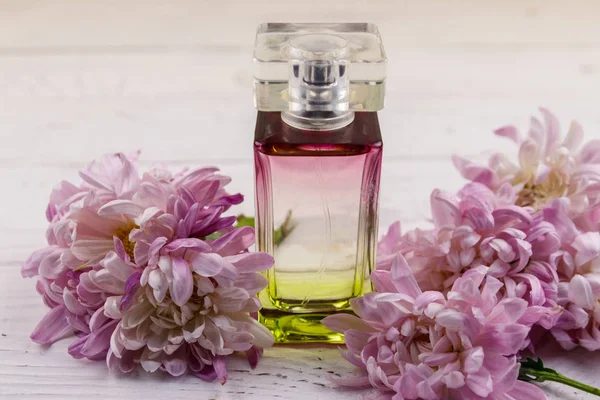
173,78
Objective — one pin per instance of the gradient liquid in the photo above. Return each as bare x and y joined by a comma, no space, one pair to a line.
325,185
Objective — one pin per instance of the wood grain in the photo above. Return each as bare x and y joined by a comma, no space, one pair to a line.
79,79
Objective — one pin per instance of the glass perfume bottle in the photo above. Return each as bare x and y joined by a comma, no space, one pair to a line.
317,153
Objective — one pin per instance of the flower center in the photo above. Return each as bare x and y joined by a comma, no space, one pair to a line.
532,196
123,234
537,195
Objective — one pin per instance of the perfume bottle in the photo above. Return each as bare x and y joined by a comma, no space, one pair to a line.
317,153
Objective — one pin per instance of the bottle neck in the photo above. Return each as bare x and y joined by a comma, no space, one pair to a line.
318,120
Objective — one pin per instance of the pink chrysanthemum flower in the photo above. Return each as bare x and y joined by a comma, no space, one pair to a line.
578,266
548,168
424,345
557,181
476,228
147,270
64,280
202,315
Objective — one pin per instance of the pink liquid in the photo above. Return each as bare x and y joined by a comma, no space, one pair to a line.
326,185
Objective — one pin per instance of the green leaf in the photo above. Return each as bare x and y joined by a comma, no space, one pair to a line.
213,236
242,220
529,367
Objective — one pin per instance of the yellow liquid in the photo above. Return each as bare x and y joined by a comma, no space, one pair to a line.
311,280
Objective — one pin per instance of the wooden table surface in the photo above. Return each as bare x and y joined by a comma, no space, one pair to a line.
173,78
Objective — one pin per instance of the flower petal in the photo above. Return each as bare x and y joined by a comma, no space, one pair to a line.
343,322
454,380
98,343
536,291
580,292
390,240
92,250
444,208
356,340
508,213
507,310
131,286
220,368
587,246
552,130
474,172
574,137
506,339
251,262
155,247
480,382
51,266
229,200
106,282
116,266
439,359
262,336
451,319
112,308
529,155
176,363
32,265
403,278
526,390
565,340
556,214
254,355
234,242
122,207
187,243
208,373
206,264
52,327
480,218
590,153
182,286
72,304
472,360
382,279
148,363
206,194
510,132
135,315
504,250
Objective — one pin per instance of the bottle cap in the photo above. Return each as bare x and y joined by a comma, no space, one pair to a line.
319,68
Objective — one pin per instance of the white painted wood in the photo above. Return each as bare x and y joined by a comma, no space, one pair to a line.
78,79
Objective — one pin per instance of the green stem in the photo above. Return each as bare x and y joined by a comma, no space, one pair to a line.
279,234
284,230
542,376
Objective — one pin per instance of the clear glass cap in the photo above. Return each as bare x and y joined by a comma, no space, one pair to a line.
316,67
